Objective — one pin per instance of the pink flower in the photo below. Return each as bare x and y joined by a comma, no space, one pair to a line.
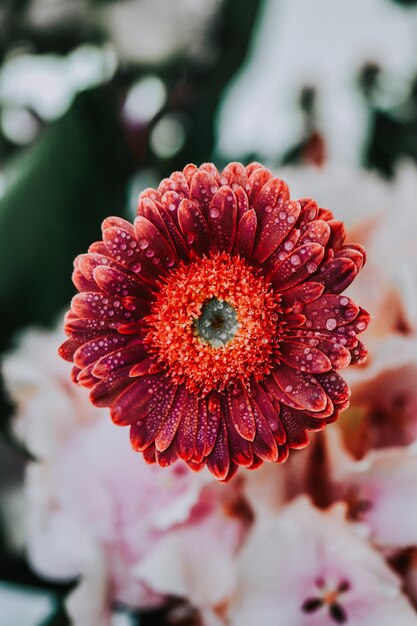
48,407
384,396
214,325
380,489
96,510
307,567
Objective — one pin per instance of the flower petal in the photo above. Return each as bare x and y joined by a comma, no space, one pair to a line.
185,438
304,357
218,462
245,235
194,227
337,274
143,395
298,266
168,430
241,413
92,351
274,226
221,220
303,389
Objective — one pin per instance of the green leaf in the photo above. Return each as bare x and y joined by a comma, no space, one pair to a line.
65,185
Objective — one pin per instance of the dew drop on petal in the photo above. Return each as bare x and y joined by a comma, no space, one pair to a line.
331,323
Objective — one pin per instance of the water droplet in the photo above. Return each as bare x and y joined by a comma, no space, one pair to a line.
143,244
214,213
331,323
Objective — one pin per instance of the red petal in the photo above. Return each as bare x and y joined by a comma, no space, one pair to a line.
297,437
185,439
317,232
257,179
92,351
202,434
211,169
168,431
253,166
350,252
274,193
202,189
167,457
189,171
274,226
241,413
337,274
218,462
86,377
306,292
81,282
98,305
174,232
214,415
338,234
84,329
67,349
359,354
334,385
277,392
108,389
262,401
234,175
121,245
240,449
330,311
120,283
176,182
242,202
303,389
143,433
146,366
149,455
285,247
118,222
98,247
153,246
337,353
309,212
360,323
264,444
304,357
245,235
194,227
298,266
142,396
221,220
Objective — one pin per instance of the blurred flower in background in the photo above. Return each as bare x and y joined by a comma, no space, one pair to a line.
99,100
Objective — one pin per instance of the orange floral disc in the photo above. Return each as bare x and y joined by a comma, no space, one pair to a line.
214,323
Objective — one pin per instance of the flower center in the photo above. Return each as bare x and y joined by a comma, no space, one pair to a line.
217,324
213,323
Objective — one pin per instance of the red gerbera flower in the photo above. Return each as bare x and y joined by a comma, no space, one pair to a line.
213,326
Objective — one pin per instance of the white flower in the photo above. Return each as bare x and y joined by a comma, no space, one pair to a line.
324,45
